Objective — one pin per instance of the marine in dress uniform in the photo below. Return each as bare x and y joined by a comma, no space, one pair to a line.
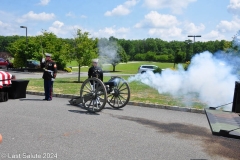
95,70
49,75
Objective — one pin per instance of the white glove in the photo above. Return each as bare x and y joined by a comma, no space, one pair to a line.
43,60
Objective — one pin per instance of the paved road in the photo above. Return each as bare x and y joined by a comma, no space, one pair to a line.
34,127
27,75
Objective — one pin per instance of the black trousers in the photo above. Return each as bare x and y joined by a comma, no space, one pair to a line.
48,88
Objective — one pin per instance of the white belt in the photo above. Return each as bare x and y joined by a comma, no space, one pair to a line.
51,73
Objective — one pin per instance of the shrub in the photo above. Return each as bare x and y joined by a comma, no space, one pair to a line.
68,69
157,70
140,57
186,65
162,58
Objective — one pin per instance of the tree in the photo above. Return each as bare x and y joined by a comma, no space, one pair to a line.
5,41
19,50
48,42
84,50
225,45
36,47
179,57
151,45
189,49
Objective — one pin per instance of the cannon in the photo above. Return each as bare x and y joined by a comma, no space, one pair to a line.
94,94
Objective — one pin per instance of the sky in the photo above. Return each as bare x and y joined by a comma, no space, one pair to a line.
128,19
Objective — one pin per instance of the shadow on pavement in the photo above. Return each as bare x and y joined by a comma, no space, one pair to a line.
25,99
213,145
111,108
61,81
83,112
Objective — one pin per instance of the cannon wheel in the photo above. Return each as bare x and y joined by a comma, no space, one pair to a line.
94,94
120,95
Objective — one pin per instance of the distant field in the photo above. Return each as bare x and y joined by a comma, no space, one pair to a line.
128,68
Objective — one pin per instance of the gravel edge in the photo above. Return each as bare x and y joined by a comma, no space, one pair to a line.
149,105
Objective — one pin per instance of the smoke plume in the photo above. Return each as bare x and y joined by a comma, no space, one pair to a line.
108,52
212,78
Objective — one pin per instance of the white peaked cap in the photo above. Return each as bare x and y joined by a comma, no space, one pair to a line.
48,54
95,60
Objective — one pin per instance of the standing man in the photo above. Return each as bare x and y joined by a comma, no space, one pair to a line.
95,70
49,75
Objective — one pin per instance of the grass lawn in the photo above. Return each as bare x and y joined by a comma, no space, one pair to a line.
124,68
139,92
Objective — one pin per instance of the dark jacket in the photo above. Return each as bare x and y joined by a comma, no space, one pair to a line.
50,69
95,72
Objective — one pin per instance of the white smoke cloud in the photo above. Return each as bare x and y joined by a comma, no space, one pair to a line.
209,77
236,40
108,51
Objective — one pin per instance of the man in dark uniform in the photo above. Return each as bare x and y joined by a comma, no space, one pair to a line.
49,75
95,70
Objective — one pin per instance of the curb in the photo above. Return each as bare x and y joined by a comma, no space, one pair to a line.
149,105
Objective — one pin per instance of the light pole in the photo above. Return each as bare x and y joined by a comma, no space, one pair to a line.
26,32
194,37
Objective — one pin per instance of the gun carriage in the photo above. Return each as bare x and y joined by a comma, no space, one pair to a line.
94,94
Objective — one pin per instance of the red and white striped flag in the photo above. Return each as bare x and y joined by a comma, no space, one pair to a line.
5,78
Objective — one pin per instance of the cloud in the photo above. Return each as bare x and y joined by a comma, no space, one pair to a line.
44,2
58,24
156,20
229,26
213,35
57,28
191,28
38,17
176,6
70,14
112,31
168,27
4,25
9,29
234,7
83,16
123,9
166,33
64,31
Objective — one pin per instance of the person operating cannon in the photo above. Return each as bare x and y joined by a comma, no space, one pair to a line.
95,70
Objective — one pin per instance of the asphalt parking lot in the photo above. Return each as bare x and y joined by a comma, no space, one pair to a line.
36,129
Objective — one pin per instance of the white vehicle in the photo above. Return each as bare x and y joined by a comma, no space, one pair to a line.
144,68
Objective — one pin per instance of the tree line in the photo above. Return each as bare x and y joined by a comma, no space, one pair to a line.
82,48
151,49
